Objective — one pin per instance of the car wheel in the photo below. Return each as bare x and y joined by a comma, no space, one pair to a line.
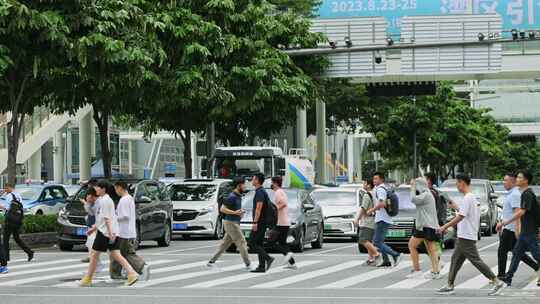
318,244
138,239
39,212
65,246
488,232
218,233
165,239
299,246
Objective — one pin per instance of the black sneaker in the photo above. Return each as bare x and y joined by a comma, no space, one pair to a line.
385,264
30,256
507,281
259,270
269,263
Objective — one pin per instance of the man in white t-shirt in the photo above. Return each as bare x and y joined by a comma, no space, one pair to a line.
127,236
468,224
382,223
106,228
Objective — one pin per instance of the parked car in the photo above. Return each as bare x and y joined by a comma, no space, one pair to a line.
72,189
484,192
196,204
401,230
40,198
305,216
339,208
153,207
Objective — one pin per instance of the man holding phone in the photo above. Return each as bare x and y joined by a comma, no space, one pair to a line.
233,212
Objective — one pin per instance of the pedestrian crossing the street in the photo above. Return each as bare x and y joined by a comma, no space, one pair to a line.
190,272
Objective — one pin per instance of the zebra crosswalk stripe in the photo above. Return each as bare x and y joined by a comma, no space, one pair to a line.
40,270
357,279
309,275
75,283
183,276
246,276
477,282
532,285
411,283
40,264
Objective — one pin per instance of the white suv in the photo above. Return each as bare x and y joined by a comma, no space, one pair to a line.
196,204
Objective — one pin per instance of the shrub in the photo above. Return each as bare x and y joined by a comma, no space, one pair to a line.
38,223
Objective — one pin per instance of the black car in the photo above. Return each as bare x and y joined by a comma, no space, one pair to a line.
306,219
153,207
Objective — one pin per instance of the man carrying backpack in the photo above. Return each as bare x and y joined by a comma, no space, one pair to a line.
258,230
14,216
382,222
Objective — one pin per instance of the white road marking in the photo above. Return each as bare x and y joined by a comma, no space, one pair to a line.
187,249
246,276
44,278
35,265
309,275
183,276
331,250
532,285
488,246
477,282
411,283
351,281
76,284
40,270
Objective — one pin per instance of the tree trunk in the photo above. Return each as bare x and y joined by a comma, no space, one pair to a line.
188,159
14,127
102,122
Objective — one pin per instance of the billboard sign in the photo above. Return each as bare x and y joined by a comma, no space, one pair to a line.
519,14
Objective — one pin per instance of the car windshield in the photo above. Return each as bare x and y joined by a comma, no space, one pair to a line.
404,196
334,198
192,192
292,196
478,189
29,194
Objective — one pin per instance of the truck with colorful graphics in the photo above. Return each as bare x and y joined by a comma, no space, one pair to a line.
244,162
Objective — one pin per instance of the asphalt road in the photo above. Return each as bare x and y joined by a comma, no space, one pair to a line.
333,274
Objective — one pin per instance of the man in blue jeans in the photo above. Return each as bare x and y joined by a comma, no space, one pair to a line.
382,223
528,214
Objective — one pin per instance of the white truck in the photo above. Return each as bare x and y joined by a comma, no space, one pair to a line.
244,162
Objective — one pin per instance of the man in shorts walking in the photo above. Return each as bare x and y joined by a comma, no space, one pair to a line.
106,229
366,224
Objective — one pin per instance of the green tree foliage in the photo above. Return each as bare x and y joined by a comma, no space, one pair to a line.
113,48
449,132
518,154
32,42
304,7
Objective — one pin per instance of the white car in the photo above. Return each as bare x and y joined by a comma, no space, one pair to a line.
196,204
339,209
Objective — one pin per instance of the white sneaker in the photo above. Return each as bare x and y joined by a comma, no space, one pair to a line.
145,273
212,266
287,258
497,288
100,268
432,275
415,274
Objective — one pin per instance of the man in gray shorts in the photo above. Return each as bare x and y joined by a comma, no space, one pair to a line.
366,224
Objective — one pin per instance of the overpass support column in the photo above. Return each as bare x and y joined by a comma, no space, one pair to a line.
320,166
58,157
34,166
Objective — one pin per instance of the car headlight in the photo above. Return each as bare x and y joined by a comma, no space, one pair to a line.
205,211
484,209
62,214
349,216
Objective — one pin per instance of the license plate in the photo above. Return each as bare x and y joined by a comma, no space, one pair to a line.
396,233
327,227
82,231
180,226
247,233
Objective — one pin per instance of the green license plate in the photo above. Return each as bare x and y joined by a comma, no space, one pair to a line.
247,233
327,227
396,233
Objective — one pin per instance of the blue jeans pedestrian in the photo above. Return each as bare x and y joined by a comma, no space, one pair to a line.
378,240
526,242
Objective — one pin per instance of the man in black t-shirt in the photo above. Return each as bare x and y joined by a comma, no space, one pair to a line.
258,231
527,215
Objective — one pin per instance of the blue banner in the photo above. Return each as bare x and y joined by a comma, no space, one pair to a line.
519,14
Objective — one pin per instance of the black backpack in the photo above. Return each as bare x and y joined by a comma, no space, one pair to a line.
15,214
270,212
441,206
392,203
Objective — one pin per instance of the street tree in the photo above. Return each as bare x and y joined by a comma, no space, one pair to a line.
32,40
113,48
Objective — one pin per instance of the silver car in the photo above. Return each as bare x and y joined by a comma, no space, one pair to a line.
339,208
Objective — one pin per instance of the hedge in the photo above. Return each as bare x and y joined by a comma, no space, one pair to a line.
38,223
